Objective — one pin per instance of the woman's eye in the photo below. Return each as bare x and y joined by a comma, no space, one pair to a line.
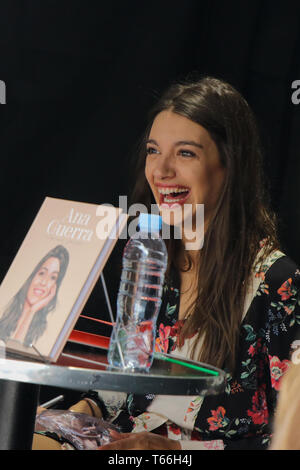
187,153
151,150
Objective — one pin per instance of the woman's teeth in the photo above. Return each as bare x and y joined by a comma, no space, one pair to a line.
167,199
174,193
172,190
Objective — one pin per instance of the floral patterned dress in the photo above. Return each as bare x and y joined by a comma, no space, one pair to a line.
241,417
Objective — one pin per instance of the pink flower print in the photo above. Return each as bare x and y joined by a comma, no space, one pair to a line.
277,370
162,342
259,412
285,290
217,420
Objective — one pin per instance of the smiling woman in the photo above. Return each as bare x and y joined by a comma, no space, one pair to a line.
203,136
25,318
234,302
223,303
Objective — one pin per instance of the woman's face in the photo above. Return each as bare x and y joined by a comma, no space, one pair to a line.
183,165
44,281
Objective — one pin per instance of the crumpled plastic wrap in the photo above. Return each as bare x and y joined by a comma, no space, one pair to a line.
84,432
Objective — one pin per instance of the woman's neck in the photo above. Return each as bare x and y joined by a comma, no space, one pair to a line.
189,260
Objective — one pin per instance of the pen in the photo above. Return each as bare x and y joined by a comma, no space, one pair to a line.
49,403
186,364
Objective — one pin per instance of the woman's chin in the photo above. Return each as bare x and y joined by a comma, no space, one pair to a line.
177,214
172,214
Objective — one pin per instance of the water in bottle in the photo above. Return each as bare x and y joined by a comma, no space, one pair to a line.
139,297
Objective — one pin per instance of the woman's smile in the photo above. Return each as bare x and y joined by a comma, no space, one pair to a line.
39,292
172,194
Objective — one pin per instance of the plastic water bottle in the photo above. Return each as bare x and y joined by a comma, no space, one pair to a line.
139,298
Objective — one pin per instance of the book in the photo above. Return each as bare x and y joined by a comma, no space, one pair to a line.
53,274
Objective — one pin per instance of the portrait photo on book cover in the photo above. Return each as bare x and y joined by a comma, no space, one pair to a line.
25,318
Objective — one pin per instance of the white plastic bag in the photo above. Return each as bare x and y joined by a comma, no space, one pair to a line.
84,432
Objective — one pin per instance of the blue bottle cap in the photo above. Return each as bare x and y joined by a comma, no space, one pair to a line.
150,222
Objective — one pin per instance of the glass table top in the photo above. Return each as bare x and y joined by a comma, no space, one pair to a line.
84,368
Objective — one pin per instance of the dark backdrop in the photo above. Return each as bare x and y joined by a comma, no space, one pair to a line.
81,75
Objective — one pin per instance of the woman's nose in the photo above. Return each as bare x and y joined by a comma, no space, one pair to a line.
43,280
164,167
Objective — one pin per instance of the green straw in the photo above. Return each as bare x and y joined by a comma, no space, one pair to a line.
186,364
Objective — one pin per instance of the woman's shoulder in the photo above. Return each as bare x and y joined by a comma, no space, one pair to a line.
279,268
274,264
275,306
278,281
276,277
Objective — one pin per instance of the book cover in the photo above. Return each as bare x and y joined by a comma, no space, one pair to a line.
53,274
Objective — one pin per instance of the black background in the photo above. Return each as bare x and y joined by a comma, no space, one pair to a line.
81,75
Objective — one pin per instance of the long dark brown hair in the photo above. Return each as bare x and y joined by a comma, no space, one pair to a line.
241,220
